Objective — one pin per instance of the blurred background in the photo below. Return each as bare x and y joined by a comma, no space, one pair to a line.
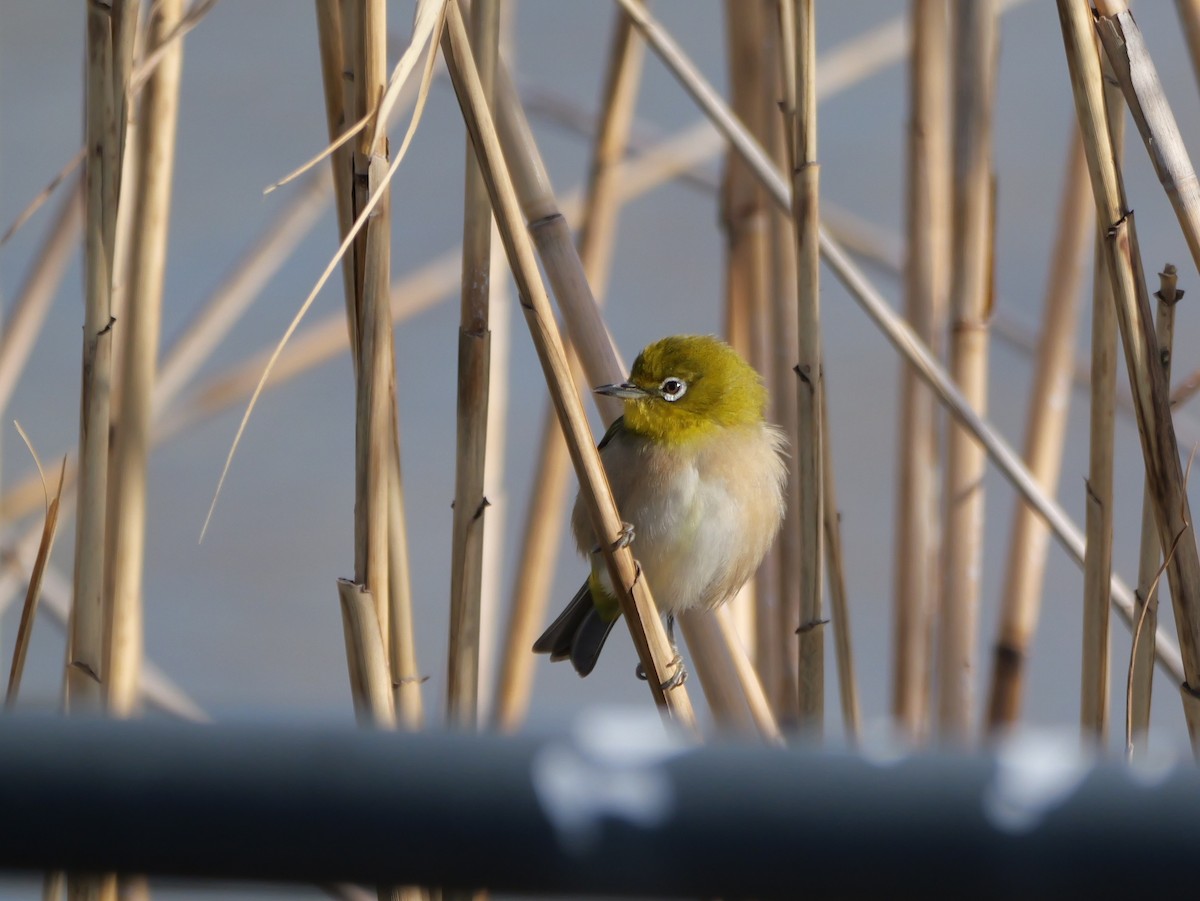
248,621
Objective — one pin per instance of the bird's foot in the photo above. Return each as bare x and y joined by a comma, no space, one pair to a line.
678,676
624,538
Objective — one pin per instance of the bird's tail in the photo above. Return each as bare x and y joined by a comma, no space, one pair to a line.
577,634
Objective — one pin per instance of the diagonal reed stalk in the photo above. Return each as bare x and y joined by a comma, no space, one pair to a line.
925,292
976,38
126,527
637,605
543,529
1045,434
1141,657
1123,268
474,366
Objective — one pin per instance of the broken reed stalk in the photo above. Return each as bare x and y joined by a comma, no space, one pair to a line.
1134,70
28,312
809,469
34,591
109,36
1123,267
641,615
474,367
126,526
926,284
597,232
1141,658
744,218
1045,434
975,55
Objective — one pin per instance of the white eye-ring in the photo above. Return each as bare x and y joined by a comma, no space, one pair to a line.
672,388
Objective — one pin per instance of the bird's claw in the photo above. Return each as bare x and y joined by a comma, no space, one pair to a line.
678,676
624,538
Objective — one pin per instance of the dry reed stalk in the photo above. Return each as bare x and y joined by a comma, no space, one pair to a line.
637,605
1123,266
1100,513
109,31
1097,564
543,530
364,52
1141,657
1134,70
925,297
809,468
366,656
143,312
745,215
1045,434
333,72
34,592
976,41
474,369
28,313
406,673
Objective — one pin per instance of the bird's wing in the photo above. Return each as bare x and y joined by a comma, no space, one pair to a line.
617,426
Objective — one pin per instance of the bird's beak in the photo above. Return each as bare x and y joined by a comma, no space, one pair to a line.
625,391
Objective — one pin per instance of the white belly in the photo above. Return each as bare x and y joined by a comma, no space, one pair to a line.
704,517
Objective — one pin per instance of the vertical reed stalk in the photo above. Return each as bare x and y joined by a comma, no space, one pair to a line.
1123,267
971,300
143,312
745,217
925,291
808,369
1098,524
1141,662
474,366
597,231
1045,433
109,37
1134,70
641,615
778,604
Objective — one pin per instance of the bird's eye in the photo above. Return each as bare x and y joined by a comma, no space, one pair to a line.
672,388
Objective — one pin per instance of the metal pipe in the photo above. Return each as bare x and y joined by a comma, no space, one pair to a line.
614,807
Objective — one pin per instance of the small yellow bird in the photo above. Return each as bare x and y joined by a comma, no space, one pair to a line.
698,474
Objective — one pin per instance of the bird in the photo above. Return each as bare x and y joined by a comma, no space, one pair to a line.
698,476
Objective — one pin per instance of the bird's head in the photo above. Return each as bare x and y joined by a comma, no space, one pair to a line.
687,386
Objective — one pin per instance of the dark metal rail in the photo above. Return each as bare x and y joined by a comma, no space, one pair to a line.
606,810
